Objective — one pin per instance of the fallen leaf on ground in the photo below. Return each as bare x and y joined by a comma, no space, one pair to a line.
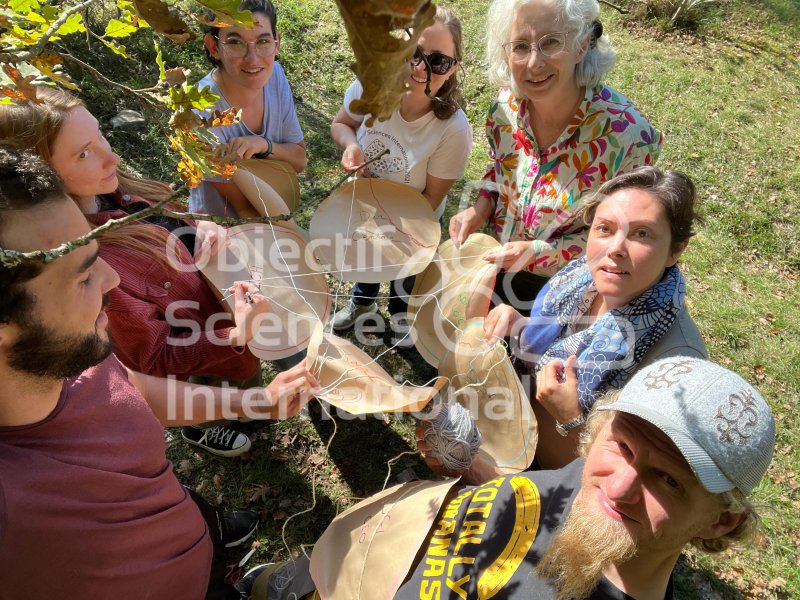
185,467
776,583
257,493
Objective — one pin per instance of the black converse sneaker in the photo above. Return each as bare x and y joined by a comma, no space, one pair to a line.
220,440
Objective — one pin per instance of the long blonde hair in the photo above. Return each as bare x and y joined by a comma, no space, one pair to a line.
35,125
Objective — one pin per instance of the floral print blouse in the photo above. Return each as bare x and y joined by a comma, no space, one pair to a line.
537,192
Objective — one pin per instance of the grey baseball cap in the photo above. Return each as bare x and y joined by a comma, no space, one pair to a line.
718,421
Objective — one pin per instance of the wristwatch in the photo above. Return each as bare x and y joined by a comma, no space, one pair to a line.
563,429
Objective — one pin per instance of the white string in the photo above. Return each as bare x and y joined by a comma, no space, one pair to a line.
376,268
434,296
341,267
280,253
342,379
313,484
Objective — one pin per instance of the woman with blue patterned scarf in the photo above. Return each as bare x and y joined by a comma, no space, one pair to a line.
601,317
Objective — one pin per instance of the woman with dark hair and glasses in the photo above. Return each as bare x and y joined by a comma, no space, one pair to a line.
247,76
428,141
555,132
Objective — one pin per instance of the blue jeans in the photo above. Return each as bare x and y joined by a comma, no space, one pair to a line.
364,294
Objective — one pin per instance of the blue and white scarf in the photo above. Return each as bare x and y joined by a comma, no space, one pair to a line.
609,349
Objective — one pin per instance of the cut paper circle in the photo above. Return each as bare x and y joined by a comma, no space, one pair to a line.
483,380
346,563
271,186
374,230
456,286
278,175
280,262
353,381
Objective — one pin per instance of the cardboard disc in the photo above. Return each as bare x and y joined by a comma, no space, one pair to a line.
483,380
277,181
279,261
374,230
456,286
353,381
352,559
271,187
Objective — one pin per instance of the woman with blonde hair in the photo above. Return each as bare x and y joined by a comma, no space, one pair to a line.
164,319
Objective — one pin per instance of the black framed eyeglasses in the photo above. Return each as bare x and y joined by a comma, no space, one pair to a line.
437,62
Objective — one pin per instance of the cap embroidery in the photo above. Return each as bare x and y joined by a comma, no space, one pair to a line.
668,374
737,418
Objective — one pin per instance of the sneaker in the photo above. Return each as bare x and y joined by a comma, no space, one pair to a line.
220,440
346,318
403,337
245,584
238,527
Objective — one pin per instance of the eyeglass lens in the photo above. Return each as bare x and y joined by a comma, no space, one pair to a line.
549,45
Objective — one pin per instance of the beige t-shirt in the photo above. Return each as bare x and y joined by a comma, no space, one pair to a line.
416,148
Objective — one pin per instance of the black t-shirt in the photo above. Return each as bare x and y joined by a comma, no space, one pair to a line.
488,539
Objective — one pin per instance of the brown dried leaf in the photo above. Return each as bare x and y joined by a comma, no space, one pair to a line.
159,16
185,120
8,92
776,583
382,58
24,88
317,458
221,118
176,76
257,494
217,481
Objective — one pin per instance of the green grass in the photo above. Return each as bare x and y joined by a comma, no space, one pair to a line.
726,98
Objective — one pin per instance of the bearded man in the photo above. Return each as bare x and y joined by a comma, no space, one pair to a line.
668,461
89,504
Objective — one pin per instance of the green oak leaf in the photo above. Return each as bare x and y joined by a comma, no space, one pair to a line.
24,7
117,29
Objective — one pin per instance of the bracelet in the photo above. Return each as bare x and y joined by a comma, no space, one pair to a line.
267,153
563,429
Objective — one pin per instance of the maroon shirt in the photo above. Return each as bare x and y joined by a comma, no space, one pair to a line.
138,309
89,505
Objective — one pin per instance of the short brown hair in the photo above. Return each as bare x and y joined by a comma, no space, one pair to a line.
673,190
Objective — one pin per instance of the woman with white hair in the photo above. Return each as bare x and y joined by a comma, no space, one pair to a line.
555,134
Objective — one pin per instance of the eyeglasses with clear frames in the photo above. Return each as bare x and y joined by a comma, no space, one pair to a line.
237,47
548,45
